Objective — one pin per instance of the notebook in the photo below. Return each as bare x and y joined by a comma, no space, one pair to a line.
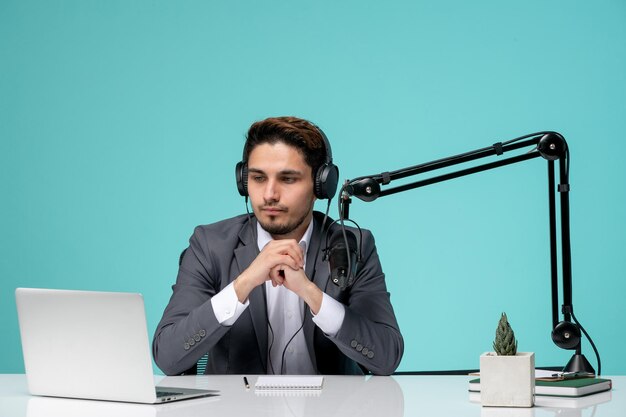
91,345
575,387
289,382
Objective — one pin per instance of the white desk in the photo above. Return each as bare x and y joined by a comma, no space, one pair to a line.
342,396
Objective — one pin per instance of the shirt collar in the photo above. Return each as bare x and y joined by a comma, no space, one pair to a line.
263,237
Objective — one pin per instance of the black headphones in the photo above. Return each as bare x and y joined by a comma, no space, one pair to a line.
326,177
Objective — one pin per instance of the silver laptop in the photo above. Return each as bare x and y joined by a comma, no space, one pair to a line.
92,345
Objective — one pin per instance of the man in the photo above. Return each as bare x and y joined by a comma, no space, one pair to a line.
254,291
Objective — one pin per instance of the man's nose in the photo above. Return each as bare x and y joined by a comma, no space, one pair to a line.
271,191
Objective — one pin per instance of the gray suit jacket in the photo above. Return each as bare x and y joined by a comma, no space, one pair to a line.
369,338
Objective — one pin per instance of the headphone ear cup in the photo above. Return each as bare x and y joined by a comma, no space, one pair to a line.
241,176
326,180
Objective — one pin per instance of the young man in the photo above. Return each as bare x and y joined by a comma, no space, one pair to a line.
254,291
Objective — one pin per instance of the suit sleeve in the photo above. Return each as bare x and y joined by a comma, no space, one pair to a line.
370,334
189,328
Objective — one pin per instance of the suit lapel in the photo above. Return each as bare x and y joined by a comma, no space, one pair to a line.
245,255
318,272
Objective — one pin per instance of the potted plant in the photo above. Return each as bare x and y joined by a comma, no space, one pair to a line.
507,377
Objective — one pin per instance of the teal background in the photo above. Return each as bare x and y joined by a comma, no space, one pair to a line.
121,123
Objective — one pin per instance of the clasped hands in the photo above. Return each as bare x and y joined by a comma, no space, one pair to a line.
282,262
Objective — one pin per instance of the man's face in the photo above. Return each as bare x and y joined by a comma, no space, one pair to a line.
280,186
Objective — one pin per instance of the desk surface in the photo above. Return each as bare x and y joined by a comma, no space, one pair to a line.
403,395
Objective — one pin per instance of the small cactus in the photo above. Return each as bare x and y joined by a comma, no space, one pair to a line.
505,343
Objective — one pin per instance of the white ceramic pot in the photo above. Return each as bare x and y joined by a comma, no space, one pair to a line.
507,381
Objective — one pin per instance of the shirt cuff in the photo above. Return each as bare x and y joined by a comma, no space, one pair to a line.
331,315
227,307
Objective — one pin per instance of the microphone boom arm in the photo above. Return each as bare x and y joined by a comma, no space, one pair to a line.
549,145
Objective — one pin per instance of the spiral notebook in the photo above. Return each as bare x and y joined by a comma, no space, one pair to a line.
289,382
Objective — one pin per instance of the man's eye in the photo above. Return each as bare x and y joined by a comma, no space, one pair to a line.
257,178
289,180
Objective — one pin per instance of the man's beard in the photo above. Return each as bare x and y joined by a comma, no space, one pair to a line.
280,229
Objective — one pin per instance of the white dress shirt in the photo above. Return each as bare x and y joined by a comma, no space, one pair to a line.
285,311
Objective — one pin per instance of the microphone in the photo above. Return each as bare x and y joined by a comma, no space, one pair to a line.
342,261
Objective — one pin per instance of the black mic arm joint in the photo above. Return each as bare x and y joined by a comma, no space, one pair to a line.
552,146
365,189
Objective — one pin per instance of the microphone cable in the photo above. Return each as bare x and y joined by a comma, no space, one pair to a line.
267,314
256,245
282,360
271,331
593,345
567,162
340,207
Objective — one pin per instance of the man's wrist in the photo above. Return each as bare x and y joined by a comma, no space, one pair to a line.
242,288
312,296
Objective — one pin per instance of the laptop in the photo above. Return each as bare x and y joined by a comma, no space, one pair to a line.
90,345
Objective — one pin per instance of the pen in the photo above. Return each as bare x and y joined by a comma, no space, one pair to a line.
245,382
573,375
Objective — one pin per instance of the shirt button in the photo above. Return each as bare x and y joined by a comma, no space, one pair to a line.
290,350
227,311
289,314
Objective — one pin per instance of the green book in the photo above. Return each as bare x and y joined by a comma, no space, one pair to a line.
563,388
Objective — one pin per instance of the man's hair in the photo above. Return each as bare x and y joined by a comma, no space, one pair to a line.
298,133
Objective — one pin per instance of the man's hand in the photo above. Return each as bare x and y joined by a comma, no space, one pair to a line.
296,280
284,252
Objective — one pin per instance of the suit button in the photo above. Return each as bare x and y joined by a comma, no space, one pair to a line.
202,333
364,351
191,342
196,337
370,354
353,343
359,347
187,346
